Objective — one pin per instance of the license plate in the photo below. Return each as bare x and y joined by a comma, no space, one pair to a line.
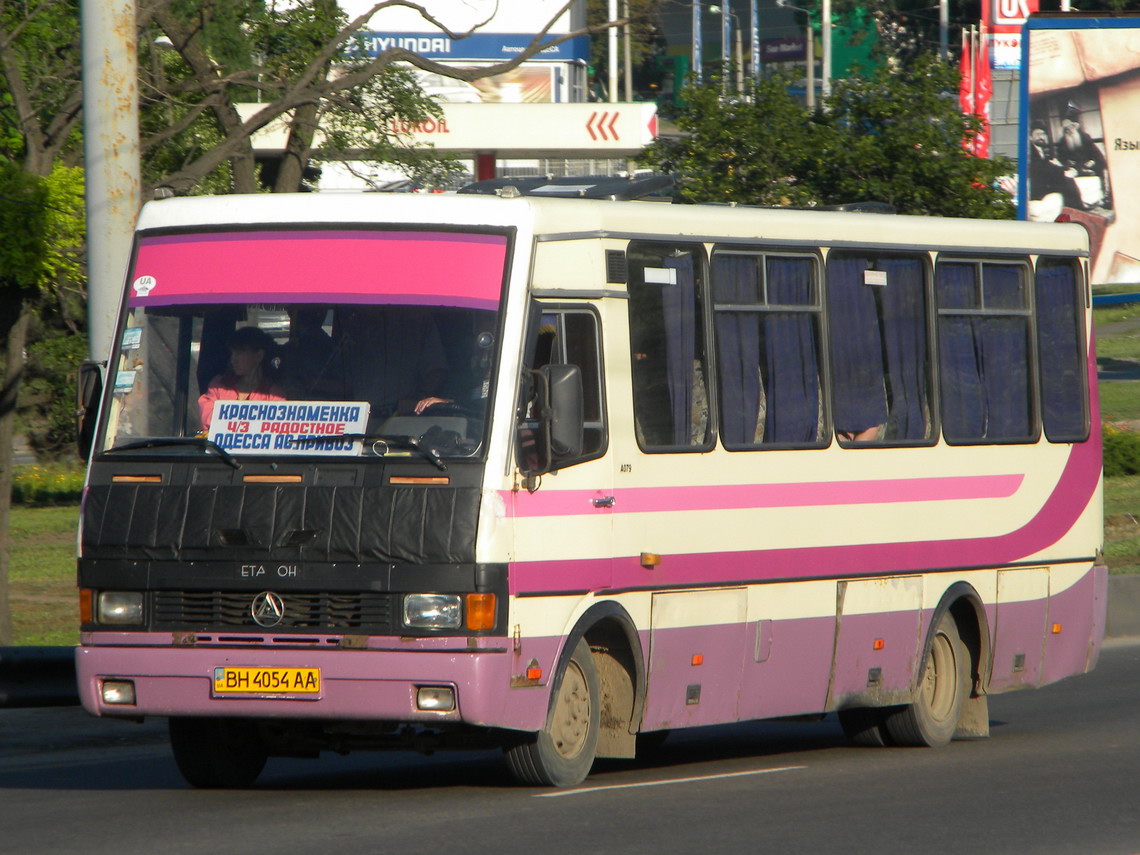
267,682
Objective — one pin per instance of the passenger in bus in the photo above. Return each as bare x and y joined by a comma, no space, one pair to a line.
395,358
252,376
311,364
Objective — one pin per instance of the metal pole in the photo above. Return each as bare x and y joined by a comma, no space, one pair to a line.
697,59
825,26
944,30
725,45
611,43
755,36
627,55
739,59
111,153
810,67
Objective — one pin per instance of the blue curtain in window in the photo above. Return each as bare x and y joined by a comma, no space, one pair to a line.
678,305
736,281
1059,348
963,407
856,347
1004,356
791,354
904,325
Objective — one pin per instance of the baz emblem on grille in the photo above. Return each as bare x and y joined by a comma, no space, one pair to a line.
267,609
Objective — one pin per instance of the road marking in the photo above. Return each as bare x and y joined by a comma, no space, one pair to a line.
697,779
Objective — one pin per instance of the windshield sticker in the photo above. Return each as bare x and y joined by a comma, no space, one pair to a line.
289,427
125,381
143,285
132,338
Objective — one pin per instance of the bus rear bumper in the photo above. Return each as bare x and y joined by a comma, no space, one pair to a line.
372,685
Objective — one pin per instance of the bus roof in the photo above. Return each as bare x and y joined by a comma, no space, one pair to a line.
569,219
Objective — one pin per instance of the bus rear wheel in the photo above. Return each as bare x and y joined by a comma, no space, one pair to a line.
217,753
932,717
562,753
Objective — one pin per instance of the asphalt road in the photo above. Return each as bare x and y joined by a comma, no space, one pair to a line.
1059,775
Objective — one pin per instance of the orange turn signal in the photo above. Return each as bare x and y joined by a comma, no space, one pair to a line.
480,611
879,644
698,659
1056,629
86,605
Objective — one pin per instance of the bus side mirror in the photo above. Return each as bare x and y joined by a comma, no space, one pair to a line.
88,393
554,428
566,422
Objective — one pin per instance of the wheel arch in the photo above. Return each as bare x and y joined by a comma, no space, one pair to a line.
963,603
618,657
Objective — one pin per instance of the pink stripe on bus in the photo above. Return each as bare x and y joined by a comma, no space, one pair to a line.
1056,516
746,496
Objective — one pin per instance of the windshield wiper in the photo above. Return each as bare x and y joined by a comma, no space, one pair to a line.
197,441
426,451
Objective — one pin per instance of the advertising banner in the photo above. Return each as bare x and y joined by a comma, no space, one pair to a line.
1080,134
1004,20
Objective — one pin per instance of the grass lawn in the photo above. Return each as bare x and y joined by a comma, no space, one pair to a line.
45,604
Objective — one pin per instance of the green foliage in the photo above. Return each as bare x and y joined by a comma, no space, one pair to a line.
1121,452
23,227
891,136
47,400
732,151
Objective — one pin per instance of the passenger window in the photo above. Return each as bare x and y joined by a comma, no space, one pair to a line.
767,314
880,364
1060,343
667,347
984,351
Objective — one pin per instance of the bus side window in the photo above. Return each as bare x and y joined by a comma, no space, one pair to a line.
667,347
767,315
1061,349
984,348
880,367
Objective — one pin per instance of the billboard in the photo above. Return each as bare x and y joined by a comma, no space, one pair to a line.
1080,134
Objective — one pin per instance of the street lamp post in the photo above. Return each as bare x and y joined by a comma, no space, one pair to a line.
697,59
809,53
825,29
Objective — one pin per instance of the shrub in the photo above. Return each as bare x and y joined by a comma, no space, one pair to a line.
50,484
1121,452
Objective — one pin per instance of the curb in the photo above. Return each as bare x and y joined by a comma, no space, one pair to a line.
37,677
1123,618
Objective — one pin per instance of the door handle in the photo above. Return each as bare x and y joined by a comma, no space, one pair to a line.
604,502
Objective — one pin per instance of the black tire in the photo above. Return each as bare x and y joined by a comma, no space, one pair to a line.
217,753
562,753
932,717
866,726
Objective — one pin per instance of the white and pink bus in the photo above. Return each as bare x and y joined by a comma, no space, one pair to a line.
420,472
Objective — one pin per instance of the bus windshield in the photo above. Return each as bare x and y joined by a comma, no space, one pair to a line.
304,343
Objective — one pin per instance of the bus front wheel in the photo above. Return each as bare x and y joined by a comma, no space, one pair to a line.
932,717
217,753
561,754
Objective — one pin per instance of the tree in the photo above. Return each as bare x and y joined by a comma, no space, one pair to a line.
893,136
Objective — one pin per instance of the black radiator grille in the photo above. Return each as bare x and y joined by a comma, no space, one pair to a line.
315,612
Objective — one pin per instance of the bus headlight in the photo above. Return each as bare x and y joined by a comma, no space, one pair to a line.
124,607
433,611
